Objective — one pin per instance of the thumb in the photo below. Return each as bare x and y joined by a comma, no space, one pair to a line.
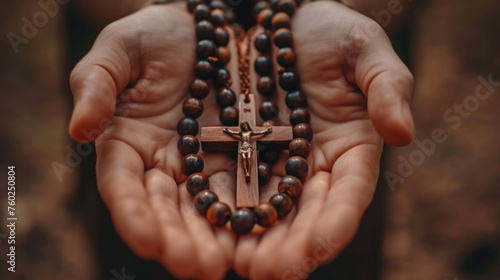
97,79
388,85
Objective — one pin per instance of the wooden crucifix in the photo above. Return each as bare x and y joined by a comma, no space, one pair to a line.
243,139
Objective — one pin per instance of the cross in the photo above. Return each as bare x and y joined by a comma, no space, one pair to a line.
221,139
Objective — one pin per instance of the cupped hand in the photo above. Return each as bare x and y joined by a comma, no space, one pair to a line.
358,94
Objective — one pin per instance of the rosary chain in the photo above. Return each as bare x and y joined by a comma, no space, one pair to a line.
244,58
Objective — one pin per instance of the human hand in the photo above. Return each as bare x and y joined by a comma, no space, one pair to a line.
145,61
358,90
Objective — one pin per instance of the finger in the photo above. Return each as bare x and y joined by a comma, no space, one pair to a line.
97,79
120,174
388,85
177,251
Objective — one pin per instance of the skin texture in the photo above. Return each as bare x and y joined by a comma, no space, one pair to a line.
130,88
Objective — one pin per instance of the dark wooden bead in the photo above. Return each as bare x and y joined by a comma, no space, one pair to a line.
199,89
302,130
218,214
295,99
259,6
188,144
269,156
206,48
202,12
196,183
265,214
221,36
265,173
186,126
218,17
203,200
228,116
262,43
299,147
204,70
266,86
223,78
205,30
299,115
297,166
286,6
191,4
282,203
192,107
192,163
242,221
286,57
224,55
263,65
291,186
274,4
268,111
265,17
217,4
226,97
283,38
280,20
289,81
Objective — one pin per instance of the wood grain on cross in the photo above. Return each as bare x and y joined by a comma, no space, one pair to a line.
213,139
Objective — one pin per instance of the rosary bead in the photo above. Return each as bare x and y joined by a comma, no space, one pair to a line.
268,156
217,4
226,97
286,57
262,43
218,214
280,20
187,125
196,183
224,55
192,107
268,111
192,163
287,6
299,147
265,173
289,81
259,6
228,116
265,17
188,144
205,30
299,115
204,70
283,38
297,166
202,12
222,77
266,86
295,99
218,17
191,4
206,48
199,89
290,186
221,36
203,200
282,203
265,214
242,221
302,130
263,65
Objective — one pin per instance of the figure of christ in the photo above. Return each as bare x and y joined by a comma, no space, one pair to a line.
246,149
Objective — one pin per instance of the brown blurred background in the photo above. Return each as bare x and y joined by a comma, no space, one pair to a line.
435,215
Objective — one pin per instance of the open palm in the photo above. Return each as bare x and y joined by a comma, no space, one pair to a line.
137,75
